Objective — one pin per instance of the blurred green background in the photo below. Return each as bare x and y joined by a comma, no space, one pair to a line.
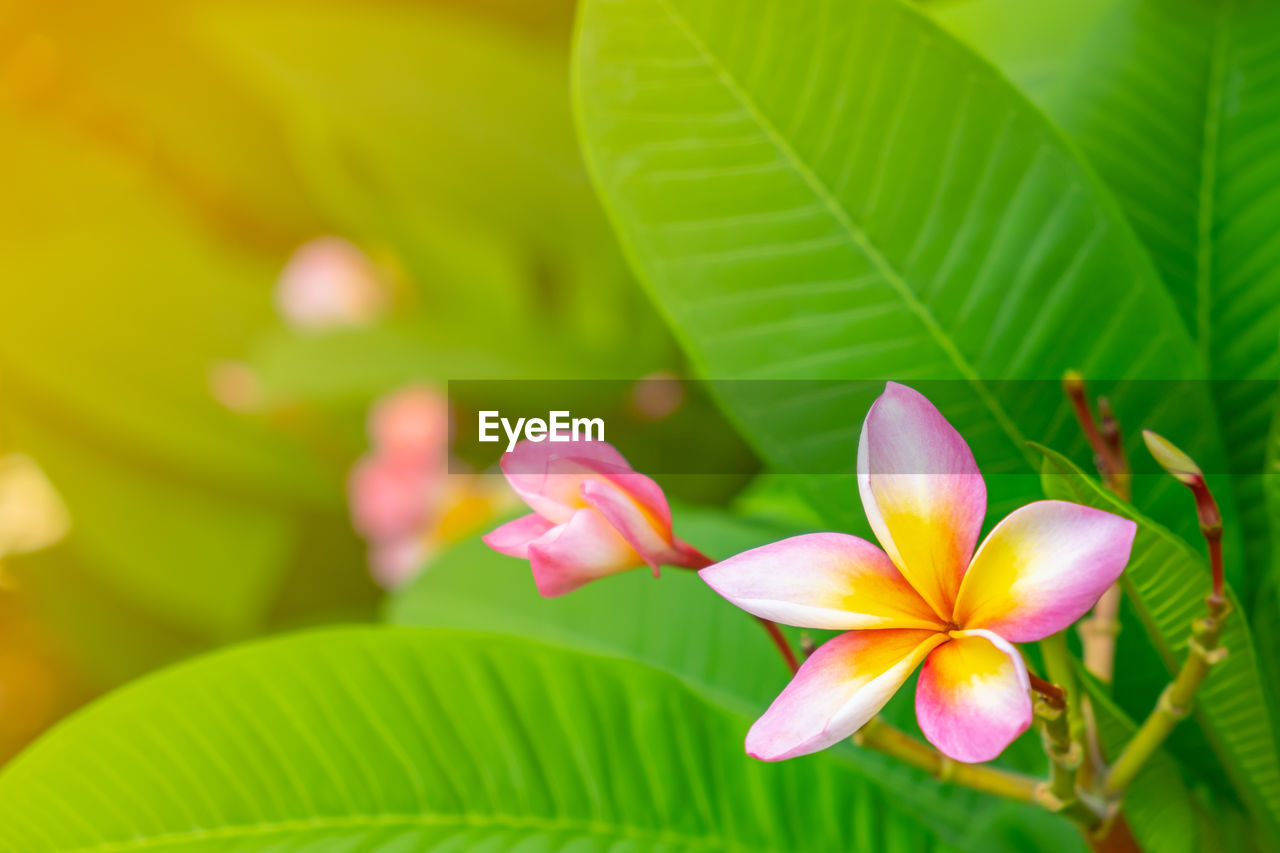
162,163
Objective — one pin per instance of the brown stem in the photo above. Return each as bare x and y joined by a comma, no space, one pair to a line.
1213,538
1098,632
1121,474
1053,695
1073,385
780,641
1114,837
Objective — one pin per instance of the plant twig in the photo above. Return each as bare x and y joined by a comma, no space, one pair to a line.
1098,632
1121,474
1059,793
1052,695
882,737
1061,669
780,641
697,560
1108,454
1177,699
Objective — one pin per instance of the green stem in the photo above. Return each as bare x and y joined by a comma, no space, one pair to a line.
1175,701
882,737
1059,665
1059,793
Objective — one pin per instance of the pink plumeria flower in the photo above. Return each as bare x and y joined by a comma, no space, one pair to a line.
927,598
593,516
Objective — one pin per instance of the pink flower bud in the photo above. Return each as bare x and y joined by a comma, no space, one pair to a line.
330,284
593,516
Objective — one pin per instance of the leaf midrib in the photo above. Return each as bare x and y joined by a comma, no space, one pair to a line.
595,829
1208,182
855,233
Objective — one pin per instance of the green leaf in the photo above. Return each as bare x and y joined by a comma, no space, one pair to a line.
1174,103
425,740
842,191
1166,582
1266,614
676,623
1157,804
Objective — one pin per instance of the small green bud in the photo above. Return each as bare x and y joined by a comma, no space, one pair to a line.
1173,460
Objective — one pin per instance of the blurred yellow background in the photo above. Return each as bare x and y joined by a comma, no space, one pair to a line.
161,164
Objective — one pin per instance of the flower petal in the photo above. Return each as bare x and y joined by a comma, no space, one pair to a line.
515,537
973,697
922,492
1042,568
584,548
548,477
843,685
821,580
646,530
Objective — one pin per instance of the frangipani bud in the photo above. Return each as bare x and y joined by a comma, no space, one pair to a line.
1181,466
593,516
330,284
1184,469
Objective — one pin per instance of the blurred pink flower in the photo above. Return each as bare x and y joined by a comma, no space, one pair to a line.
593,516
395,562
330,284
236,386
657,395
390,498
404,499
412,424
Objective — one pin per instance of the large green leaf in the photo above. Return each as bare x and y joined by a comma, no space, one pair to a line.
425,740
841,190
1175,103
1266,613
1166,582
677,623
